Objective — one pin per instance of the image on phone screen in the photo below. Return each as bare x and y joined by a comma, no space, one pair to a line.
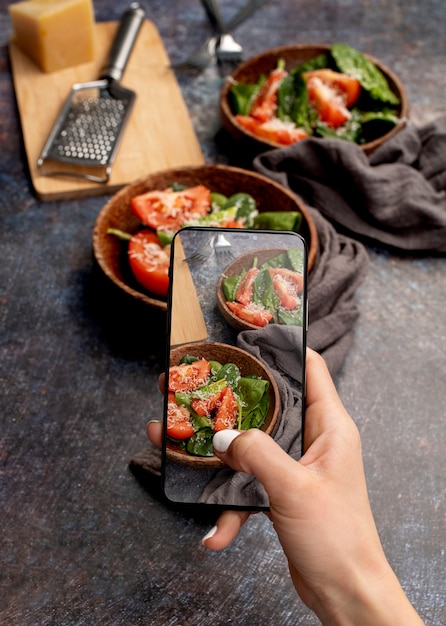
237,317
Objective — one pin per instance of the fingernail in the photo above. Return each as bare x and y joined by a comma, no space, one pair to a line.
210,534
223,439
154,422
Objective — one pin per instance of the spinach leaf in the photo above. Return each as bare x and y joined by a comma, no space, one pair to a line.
256,417
290,318
263,292
281,260
318,62
278,220
350,131
229,373
178,187
246,207
215,367
250,392
296,260
242,95
200,444
187,358
218,201
230,285
352,62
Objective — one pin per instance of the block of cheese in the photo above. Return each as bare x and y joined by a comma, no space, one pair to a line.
55,34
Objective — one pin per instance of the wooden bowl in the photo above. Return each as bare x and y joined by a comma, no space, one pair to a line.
265,62
111,253
233,269
247,365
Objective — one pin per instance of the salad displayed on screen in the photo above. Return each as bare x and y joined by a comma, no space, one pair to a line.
269,292
206,396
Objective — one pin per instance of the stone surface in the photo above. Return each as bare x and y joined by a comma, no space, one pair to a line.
83,540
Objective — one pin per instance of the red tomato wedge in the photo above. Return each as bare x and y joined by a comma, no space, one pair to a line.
188,376
265,103
205,406
329,96
286,292
274,130
149,262
243,293
296,279
251,313
168,209
178,419
343,83
226,415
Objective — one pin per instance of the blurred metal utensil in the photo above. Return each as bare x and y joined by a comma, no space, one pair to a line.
203,253
223,249
207,53
228,50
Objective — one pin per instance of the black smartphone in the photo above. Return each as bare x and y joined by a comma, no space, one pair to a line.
237,320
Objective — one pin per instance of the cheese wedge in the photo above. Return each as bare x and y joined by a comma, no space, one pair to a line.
55,34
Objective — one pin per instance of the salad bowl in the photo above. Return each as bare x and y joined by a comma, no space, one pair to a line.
250,71
240,265
249,366
111,253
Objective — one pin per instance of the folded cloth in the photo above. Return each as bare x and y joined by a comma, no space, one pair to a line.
396,197
340,268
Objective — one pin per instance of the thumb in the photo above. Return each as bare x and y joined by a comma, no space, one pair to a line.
254,452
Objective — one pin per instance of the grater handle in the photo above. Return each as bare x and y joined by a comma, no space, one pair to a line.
123,42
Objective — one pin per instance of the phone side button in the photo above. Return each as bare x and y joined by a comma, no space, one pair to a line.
306,320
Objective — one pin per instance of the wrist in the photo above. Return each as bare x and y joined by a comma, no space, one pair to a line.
369,600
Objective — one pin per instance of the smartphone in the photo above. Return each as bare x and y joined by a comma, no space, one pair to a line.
236,327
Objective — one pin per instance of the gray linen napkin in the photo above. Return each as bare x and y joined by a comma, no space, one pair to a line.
396,197
340,268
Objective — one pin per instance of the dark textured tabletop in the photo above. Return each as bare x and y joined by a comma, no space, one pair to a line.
84,541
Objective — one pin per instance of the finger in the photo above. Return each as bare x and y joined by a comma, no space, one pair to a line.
254,452
225,530
155,432
324,408
320,384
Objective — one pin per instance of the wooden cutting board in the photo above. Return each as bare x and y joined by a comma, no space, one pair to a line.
159,134
187,321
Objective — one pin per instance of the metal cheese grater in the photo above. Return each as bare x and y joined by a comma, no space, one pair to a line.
86,135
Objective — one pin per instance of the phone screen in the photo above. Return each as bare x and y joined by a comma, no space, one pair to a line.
236,356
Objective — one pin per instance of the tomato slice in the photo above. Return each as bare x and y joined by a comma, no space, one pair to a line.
243,293
285,292
347,85
265,103
329,101
251,313
178,419
205,406
275,130
291,276
189,376
226,415
149,262
169,210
